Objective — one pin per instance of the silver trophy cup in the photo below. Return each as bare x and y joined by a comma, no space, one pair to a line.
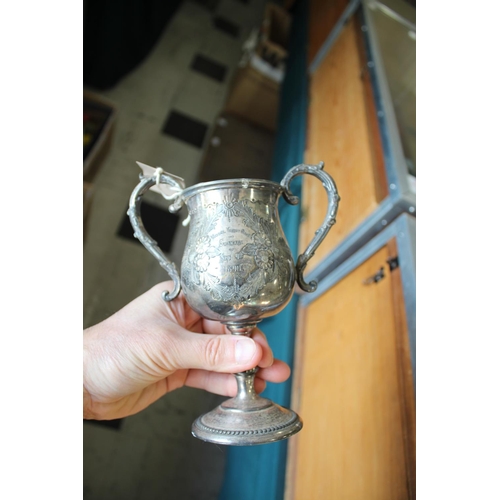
237,268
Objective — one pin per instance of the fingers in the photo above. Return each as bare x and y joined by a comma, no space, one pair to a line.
225,383
217,328
267,354
219,353
222,353
212,351
188,317
277,373
214,327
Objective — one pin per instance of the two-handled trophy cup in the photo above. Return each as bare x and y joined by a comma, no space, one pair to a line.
237,268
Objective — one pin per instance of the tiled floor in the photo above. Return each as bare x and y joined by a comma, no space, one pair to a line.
152,455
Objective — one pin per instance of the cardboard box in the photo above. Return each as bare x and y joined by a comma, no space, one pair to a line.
255,90
237,149
254,97
275,34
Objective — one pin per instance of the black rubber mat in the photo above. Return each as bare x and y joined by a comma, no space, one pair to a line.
209,67
227,26
159,223
185,128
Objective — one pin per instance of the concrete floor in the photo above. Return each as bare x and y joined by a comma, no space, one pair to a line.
152,455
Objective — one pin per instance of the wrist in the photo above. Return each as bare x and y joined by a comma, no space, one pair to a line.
88,414
87,406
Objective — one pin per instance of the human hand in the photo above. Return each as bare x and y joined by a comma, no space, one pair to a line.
151,347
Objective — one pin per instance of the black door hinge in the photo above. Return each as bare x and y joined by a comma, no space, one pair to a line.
393,263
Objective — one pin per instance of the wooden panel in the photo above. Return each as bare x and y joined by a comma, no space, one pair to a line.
298,363
323,15
339,135
348,392
407,392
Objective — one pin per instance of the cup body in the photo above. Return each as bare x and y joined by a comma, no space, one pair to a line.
237,266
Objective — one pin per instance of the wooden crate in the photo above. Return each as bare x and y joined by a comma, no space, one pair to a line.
254,97
275,34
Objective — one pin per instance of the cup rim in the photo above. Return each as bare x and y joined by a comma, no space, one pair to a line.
244,183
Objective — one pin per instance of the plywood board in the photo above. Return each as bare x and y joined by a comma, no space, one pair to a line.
339,134
407,388
349,394
323,15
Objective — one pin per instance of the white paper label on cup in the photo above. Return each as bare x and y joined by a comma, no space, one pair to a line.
168,192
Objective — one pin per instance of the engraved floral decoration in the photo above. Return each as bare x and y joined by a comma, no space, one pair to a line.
230,206
203,253
261,251
264,258
200,262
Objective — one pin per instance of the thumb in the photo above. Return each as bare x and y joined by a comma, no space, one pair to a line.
219,353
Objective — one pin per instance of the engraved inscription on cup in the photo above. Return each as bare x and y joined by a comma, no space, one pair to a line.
237,264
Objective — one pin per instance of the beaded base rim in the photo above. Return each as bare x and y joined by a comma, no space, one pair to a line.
249,436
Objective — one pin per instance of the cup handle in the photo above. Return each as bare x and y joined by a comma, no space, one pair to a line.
142,235
333,203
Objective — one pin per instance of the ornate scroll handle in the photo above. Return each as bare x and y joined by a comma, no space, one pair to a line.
333,203
143,236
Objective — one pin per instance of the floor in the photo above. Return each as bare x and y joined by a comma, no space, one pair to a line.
152,455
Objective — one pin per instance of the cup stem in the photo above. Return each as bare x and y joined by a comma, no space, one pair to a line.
246,387
245,380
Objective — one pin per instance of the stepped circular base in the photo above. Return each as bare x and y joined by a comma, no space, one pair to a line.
237,424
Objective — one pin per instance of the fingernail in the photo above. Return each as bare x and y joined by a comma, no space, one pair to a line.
244,350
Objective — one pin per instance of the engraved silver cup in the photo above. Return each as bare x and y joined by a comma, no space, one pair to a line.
237,268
